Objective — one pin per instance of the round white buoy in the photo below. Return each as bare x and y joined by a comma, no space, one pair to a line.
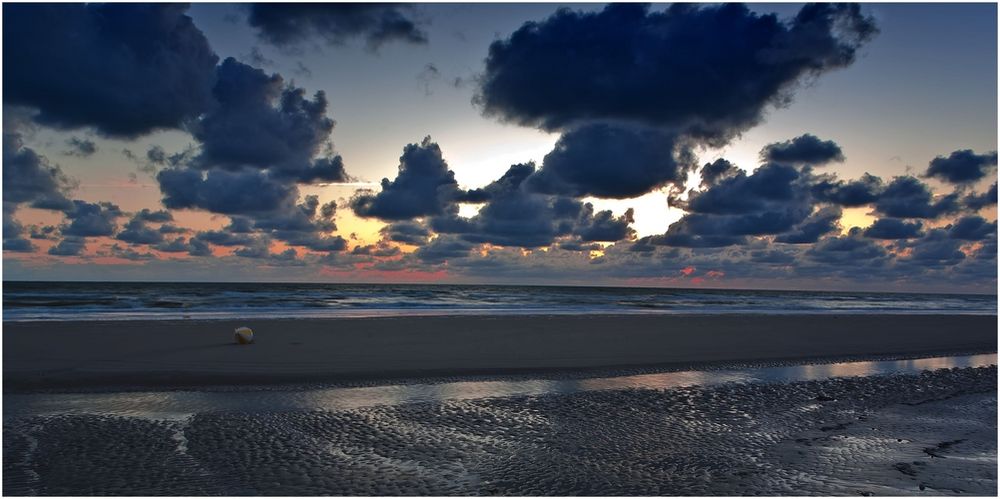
244,335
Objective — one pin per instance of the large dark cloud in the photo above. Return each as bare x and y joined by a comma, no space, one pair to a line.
291,24
822,222
223,238
774,199
69,246
976,202
717,170
604,226
709,71
742,193
424,186
442,249
936,248
804,149
306,224
136,231
406,232
13,235
519,216
158,216
124,69
91,219
222,191
907,197
972,228
29,178
860,192
851,249
259,122
962,166
609,161
893,228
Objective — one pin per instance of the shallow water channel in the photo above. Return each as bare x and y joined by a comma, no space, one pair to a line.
182,404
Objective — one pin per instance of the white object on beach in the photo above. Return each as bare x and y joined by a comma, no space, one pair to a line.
244,335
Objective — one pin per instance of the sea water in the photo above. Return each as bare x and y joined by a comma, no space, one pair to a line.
36,301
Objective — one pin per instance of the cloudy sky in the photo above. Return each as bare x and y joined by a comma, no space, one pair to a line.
763,146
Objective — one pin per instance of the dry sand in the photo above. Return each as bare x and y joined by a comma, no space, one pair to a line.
85,355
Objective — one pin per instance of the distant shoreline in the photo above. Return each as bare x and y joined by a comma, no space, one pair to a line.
95,355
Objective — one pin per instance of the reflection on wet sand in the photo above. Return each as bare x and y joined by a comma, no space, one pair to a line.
178,405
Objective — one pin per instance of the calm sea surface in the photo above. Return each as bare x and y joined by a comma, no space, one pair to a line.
34,301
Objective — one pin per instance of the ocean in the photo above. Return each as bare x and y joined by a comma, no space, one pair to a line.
42,301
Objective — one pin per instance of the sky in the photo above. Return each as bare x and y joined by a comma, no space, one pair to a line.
773,146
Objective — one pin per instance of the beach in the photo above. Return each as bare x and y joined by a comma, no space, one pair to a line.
504,405
90,355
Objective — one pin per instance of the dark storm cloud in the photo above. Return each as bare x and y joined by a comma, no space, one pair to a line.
709,71
91,219
137,232
42,232
259,122
863,191
69,246
300,218
717,170
907,197
893,228
239,225
604,226
119,251
311,240
851,249
972,228
13,232
804,149
380,249
80,147
291,24
936,248
29,178
406,232
442,249
518,216
962,166
741,193
976,202
824,221
424,186
773,200
18,244
223,238
176,245
609,161
773,220
159,216
681,236
222,191
515,216
199,248
124,69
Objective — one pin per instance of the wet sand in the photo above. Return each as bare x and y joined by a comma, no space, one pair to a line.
928,434
198,353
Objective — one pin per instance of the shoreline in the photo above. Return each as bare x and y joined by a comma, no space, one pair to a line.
191,354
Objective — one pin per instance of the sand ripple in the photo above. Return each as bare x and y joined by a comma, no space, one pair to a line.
933,433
